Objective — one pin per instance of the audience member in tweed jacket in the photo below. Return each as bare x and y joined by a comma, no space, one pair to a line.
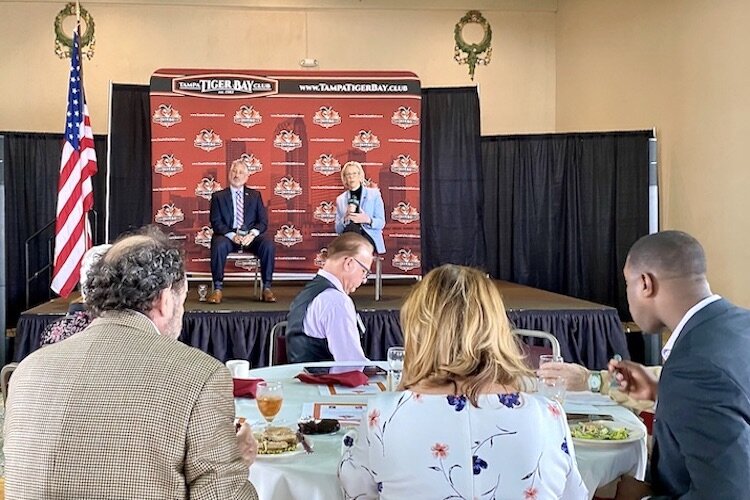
122,409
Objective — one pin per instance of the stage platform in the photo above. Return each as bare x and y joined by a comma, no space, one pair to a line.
238,328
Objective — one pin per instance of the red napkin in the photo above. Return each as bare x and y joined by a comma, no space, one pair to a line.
648,421
349,379
246,387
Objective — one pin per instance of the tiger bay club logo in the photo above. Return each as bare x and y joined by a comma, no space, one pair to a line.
404,117
287,188
288,235
404,165
169,215
366,141
203,237
248,263
406,260
326,164
247,116
168,165
176,237
225,86
287,140
321,257
404,213
166,116
251,162
325,212
207,140
326,117
207,187
369,183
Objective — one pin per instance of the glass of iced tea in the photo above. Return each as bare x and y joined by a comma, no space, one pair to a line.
269,397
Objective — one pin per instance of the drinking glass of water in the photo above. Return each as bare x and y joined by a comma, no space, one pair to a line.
202,292
396,365
553,388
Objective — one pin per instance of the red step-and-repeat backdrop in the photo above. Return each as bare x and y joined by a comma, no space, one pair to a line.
294,130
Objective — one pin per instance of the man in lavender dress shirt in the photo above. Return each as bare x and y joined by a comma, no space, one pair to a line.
322,323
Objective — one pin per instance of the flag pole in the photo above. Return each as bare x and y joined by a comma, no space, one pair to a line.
88,240
75,190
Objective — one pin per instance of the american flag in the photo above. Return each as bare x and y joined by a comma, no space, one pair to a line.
74,195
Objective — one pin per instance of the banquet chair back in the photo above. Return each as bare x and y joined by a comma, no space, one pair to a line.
534,351
5,374
277,345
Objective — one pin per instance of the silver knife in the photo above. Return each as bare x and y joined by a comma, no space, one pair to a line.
588,417
301,439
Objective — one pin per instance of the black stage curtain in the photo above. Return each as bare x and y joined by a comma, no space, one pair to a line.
238,335
130,206
451,179
32,169
562,210
587,337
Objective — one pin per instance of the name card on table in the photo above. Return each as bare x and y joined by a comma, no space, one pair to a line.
340,390
345,413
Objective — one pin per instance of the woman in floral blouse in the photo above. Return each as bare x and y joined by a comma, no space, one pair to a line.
78,318
461,428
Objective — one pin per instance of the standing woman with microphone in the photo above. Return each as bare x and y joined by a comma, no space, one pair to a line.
359,208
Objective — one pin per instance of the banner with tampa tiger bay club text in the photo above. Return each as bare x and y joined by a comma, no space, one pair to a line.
294,130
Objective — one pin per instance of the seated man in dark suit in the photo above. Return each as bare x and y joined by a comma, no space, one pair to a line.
322,321
702,422
239,220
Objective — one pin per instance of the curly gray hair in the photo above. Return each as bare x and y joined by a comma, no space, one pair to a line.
132,274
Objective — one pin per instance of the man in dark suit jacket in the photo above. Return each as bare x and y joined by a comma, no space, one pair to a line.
702,421
238,218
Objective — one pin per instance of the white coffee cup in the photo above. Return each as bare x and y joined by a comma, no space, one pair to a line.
239,368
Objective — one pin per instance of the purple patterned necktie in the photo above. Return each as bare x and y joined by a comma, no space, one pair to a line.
238,208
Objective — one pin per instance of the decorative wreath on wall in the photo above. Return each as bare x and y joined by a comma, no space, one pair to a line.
473,53
63,43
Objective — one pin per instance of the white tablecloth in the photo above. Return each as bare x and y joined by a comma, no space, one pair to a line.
313,477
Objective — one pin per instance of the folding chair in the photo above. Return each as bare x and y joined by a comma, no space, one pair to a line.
277,345
5,374
249,262
534,351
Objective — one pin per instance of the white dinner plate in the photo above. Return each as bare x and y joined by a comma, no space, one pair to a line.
636,433
300,450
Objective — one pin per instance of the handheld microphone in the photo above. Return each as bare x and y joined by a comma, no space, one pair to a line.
353,205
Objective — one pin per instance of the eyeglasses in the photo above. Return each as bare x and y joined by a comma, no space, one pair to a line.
364,267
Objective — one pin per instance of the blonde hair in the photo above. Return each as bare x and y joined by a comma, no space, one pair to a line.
456,332
356,165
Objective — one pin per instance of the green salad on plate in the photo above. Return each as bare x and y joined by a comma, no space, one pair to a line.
600,432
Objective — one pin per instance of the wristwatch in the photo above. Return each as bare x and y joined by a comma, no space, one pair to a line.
595,381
